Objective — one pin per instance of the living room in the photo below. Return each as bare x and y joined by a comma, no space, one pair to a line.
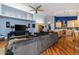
39,29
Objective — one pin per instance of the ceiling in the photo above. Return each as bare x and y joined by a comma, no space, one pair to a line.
57,9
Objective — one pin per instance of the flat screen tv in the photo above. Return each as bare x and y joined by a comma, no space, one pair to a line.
20,27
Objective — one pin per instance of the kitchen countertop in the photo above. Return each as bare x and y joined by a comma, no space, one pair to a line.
32,45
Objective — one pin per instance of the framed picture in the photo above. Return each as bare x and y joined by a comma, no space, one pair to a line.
28,25
33,25
7,24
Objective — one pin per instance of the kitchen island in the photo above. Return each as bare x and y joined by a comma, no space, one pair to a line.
32,45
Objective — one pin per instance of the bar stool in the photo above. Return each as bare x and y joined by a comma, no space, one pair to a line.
64,37
69,37
76,42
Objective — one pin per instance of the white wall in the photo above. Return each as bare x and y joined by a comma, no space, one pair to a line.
52,22
16,13
39,18
18,6
46,24
0,9
44,20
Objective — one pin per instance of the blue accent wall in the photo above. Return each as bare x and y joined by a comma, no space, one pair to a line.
4,31
65,18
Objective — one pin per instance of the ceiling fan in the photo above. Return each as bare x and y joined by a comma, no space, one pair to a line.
36,9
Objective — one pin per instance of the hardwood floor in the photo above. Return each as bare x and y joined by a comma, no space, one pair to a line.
64,46
2,47
2,44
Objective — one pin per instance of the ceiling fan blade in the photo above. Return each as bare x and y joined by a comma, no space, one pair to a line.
38,7
31,7
32,10
40,10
